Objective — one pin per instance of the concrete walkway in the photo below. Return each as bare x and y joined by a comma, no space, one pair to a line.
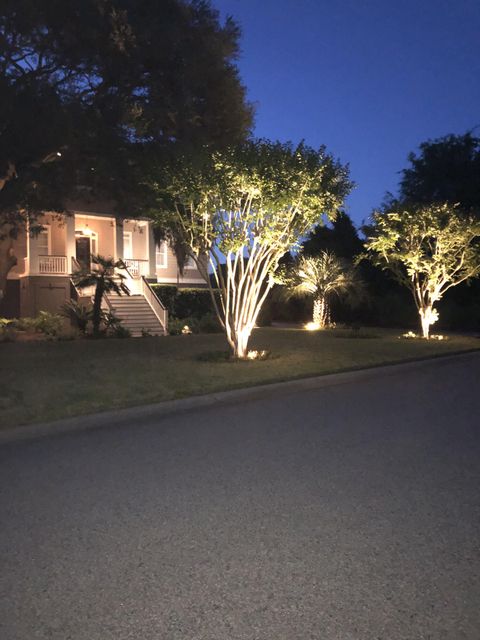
346,512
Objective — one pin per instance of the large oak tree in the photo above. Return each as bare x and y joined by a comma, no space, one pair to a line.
95,90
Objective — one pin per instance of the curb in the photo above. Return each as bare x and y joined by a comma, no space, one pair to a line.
159,410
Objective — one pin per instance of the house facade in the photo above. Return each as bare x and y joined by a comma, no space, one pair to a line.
42,278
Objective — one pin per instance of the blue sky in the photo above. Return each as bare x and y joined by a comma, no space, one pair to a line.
370,79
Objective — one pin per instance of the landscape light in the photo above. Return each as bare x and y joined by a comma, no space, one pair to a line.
257,355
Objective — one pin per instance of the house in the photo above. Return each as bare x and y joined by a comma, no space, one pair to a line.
42,278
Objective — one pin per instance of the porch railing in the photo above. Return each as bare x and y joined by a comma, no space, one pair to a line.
137,268
157,307
52,264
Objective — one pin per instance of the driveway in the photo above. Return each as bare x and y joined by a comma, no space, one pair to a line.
345,513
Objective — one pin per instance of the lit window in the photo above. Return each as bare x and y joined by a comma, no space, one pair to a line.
161,255
43,242
127,245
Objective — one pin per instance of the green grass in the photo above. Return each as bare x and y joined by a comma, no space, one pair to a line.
43,381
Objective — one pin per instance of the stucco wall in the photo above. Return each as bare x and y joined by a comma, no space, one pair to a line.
20,250
170,275
104,228
42,293
139,231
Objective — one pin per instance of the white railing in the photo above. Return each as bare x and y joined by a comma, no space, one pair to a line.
52,264
157,307
137,268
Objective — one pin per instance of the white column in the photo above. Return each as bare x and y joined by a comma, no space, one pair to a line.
70,250
152,249
118,240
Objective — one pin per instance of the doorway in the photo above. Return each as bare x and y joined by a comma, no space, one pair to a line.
83,252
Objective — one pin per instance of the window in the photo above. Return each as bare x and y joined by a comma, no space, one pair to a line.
190,263
43,242
161,255
127,245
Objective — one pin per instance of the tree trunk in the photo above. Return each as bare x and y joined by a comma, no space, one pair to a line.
9,174
320,312
426,319
8,260
240,340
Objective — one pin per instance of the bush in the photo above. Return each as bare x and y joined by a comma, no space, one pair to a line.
209,324
118,331
7,330
51,324
26,324
78,314
184,303
177,326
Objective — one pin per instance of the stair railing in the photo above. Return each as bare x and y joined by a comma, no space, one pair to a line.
157,307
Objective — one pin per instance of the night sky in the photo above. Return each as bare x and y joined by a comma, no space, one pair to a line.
371,79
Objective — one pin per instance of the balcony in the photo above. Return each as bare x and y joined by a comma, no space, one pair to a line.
136,268
52,265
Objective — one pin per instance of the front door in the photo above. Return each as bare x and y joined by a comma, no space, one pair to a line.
83,252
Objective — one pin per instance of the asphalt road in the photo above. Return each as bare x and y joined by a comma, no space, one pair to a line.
346,513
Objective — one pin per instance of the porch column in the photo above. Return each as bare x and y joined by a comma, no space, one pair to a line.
70,250
118,239
152,249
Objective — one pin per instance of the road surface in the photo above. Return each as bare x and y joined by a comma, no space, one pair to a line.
345,513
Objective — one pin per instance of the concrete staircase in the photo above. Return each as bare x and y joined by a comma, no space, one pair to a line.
136,314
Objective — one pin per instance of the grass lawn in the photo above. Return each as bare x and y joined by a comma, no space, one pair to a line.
43,381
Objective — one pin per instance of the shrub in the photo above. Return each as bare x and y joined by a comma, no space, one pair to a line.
78,314
118,331
176,326
184,303
26,324
7,330
209,323
51,324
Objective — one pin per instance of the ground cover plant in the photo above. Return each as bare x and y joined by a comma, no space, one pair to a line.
43,381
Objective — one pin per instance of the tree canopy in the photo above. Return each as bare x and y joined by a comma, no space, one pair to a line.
340,237
445,170
106,83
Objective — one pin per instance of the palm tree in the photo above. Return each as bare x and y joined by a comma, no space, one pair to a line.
105,279
323,277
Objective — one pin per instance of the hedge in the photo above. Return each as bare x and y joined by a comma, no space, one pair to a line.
184,303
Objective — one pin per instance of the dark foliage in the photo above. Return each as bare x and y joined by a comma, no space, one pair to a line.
184,303
445,170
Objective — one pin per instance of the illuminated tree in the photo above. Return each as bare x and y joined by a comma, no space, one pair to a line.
240,211
322,277
429,249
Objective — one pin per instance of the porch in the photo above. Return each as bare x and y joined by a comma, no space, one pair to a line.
66,244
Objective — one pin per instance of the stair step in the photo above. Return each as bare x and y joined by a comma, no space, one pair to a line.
136,314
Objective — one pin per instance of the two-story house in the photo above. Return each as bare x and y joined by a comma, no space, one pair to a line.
42,278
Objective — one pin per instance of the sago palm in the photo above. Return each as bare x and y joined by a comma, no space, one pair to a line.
106,279
323,277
